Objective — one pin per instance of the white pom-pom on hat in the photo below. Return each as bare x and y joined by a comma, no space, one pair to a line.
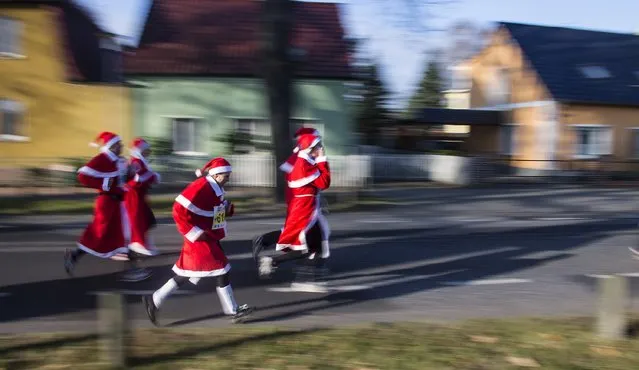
198,172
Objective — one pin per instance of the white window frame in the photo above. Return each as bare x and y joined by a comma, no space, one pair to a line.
172,119
514,148
17,53
13,106
606,150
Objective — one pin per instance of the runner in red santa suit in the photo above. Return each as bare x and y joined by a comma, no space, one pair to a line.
270,239
109,234
141,217
200,215
301,237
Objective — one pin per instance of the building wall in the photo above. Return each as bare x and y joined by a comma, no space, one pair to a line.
60,118
525,101
623,121
218,101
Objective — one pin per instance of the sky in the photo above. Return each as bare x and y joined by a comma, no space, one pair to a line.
401,52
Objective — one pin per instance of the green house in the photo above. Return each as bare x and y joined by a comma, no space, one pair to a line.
197,77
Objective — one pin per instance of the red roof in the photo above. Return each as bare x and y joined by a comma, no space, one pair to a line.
222,38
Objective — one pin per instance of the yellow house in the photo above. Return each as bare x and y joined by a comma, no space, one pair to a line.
59,83
566,97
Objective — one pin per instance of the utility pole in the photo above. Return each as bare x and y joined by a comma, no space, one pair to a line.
278,76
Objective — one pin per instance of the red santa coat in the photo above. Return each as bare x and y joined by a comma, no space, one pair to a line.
307,178
139,212
287,167
108,234
201,209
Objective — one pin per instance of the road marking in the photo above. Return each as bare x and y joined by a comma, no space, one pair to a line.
493,219
329,289
630,274
560,218
398,267
543,255
387,221
140,292
487,282
237,256
334,287
599,276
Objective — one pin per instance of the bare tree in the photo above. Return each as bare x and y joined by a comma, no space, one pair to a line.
463,40
411,15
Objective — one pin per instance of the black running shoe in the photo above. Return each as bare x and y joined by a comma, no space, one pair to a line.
151,310
243,312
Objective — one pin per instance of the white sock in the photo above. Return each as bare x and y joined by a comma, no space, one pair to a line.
227,300
160,295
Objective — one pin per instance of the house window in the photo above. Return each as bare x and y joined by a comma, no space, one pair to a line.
593,141
635,142
188,136
252,136
12,121
594,71
499,87
507,139
9,37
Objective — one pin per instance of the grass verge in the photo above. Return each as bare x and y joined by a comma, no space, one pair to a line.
162,205
474,345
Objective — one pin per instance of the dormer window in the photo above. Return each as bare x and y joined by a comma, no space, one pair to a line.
595,71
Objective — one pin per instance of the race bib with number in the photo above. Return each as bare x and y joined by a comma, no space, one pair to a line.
219,217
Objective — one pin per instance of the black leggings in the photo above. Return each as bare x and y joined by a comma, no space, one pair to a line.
221,281
271,238
314,242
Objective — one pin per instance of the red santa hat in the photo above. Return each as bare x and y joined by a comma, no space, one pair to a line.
138,146
304,131
307,142
105,140
214,166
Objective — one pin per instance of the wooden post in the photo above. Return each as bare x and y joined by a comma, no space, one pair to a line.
611,310
113,327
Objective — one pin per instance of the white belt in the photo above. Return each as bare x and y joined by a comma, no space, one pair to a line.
304,195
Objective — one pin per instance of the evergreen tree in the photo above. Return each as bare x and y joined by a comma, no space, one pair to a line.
372,112
429,93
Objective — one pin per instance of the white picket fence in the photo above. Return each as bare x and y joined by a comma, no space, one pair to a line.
351,171
259,170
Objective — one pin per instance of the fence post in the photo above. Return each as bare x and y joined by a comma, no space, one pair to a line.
113,327
611,310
